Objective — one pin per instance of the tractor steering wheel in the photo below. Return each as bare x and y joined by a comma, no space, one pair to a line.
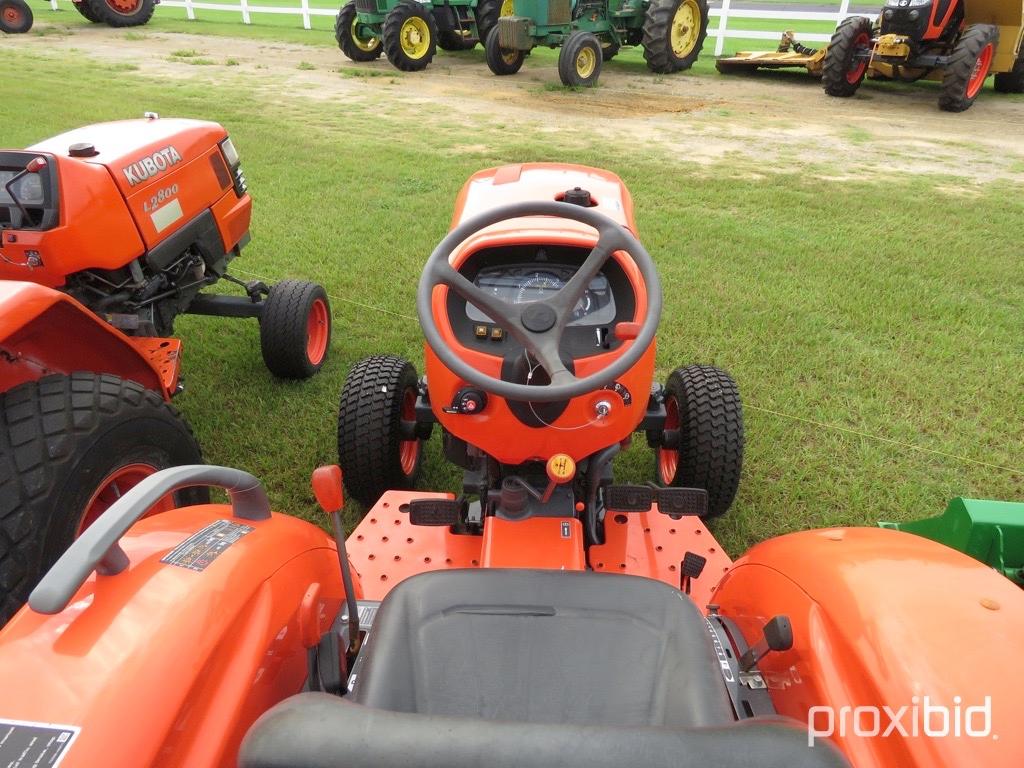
538,325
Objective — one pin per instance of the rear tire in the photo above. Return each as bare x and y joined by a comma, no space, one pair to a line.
969,65
450,40
63,439
122,13
703,403
85,9
379,393
355,48
674,33
487,13
579,60
1012,81
295,329
410,36
843,72
502,61
15,17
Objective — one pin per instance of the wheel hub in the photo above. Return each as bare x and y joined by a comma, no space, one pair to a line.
683,32
585,63
12,15
123,6
415,38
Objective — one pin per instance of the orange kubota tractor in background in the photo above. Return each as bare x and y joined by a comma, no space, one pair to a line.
557,617
107,233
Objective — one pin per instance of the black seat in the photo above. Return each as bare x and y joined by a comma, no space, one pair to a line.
543,647
529,669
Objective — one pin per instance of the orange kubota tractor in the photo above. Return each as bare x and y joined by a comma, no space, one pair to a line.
559,618
107,233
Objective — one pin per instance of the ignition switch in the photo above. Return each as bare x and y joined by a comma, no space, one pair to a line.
468,401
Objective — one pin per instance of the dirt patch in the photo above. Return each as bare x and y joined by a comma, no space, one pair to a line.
776,121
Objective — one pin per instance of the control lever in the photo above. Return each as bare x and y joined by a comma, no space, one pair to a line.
778,636
326,483
561,469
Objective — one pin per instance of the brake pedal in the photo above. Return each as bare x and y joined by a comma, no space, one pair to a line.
435,511
628,498
678,502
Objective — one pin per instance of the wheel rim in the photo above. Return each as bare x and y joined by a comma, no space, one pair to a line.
317,331
13,16
508,7
858,66
409,450
685,27
668,458
415,37
114,486
981,67
586,61
368,44
124,7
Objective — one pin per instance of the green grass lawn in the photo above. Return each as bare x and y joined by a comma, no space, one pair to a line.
888,306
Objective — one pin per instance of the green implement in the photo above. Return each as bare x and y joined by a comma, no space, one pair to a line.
989,531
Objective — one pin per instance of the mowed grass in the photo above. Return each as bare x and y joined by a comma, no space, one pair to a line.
892,306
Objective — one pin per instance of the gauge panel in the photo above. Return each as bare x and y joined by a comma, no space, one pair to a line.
523,283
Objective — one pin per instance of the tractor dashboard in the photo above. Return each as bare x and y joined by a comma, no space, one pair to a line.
523,274
28,200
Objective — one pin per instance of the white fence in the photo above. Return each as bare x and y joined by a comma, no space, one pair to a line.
720,33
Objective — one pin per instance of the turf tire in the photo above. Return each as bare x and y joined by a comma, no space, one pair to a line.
369,428
578,44
284,329
15,17
710,422
657,38
501,61
955,94
1012,81
392,37
59,437
105,13
346,41
841,75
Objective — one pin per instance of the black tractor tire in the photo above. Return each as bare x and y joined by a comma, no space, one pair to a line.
295,329
960,83
372,452
709,452
109,13
344,34
580,59
61,437
609,50
502,61
657,39
15,17
487,13
1012,81
402,19
86,10
452,40
841,73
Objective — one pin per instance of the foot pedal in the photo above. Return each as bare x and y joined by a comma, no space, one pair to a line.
677,502
628,498
435,511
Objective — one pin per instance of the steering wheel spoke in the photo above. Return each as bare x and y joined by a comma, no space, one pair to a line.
499,311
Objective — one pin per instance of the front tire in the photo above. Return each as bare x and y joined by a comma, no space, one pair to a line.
579,60
845,67
702,443
374,451
15,17
295,329
345,32
674,33
85,9
502,61
410,36
969,65
122,13
69,446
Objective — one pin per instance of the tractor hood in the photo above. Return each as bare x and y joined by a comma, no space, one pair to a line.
136,152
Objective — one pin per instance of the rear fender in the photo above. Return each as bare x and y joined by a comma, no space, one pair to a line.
44,331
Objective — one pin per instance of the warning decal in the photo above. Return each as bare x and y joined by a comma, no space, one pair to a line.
34,745
203,547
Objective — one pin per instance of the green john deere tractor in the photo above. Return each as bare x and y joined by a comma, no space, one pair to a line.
409,32
590,32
